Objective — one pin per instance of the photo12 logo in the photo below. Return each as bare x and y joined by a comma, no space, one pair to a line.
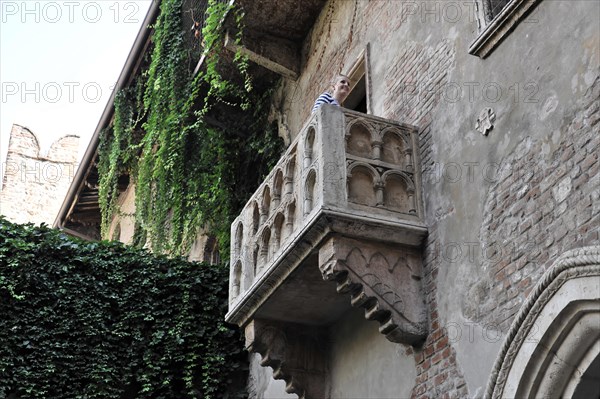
478,172
69,11
51,92
38,171
491,252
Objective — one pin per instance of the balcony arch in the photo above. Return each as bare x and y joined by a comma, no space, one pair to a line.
255,260
278,230
255,218
398,192
290,218
236,279
265,206
360,138
239,238
309,143
290,172
363,180
265,241
309,191
395,147
277,188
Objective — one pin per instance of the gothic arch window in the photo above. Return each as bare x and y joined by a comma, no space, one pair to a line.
552,348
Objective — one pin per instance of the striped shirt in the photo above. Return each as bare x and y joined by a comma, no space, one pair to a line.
324,98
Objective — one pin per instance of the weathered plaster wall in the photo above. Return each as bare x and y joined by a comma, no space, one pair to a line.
122,226
364,364
35,184
499,208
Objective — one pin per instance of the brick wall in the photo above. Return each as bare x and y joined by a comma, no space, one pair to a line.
34,184
537,217
438,374
412,95
537,209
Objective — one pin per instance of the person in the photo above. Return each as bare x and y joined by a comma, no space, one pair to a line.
340,88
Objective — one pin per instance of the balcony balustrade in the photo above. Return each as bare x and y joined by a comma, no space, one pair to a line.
342,205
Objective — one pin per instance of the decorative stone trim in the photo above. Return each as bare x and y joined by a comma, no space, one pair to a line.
296,353
387,286
573,264
500,27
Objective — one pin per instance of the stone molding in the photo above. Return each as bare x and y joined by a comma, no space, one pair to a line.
500,27
578,263
296,353
387,286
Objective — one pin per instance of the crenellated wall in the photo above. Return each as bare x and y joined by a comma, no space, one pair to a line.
35,184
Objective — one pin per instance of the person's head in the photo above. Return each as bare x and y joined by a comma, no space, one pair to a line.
340,88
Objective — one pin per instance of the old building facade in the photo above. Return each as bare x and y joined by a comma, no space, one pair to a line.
34,184
506,108
437,237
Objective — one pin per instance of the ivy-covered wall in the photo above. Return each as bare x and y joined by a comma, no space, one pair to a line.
195,146
102,320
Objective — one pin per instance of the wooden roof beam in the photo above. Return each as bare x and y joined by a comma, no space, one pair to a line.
275,54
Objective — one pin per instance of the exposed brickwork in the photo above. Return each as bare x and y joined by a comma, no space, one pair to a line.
34,185
538,209
413,89
413,85
415,80
438,374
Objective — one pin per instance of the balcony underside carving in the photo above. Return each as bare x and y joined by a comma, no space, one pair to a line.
296,353
384,281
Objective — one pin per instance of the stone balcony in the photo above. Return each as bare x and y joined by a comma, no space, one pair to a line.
339,214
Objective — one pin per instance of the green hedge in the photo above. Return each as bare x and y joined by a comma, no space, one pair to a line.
102,320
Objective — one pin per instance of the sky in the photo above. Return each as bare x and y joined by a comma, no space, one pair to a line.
59,61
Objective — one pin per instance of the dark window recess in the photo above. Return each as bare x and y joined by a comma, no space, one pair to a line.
494,7
357,99
211,251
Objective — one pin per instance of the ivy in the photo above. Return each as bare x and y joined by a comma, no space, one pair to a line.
190,176
102,320
119,147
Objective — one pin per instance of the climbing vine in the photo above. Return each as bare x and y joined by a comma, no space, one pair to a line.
118,149
190,175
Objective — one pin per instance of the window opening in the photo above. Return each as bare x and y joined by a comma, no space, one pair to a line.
493,7
359,97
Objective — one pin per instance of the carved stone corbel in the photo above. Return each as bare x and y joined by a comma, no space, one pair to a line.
384,280
296,353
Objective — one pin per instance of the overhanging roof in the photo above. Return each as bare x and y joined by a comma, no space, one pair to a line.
275,37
